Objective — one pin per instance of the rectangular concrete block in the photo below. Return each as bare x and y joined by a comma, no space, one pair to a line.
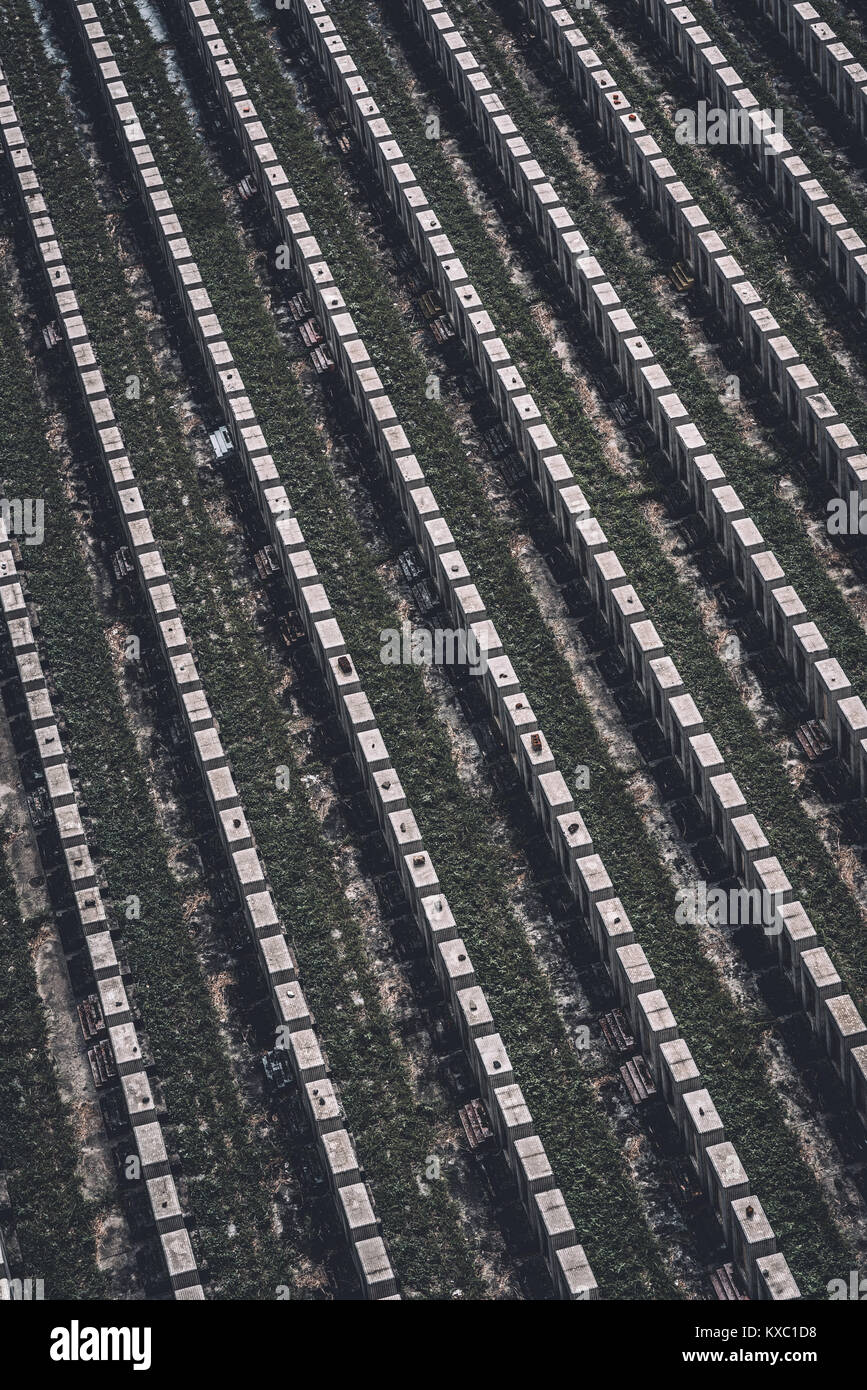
775,1281
594,884
797,935
511,1118
819,981
491,1065
702,1127
844,1030
473,1014
573,1277
656,1023
727,1182
633,975
752,1239
357,1213
532,1167
611,929
554,1224
454,968
678,1073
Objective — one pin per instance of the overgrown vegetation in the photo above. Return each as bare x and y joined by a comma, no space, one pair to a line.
54,1222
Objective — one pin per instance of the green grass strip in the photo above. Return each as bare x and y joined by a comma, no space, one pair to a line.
54,1221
